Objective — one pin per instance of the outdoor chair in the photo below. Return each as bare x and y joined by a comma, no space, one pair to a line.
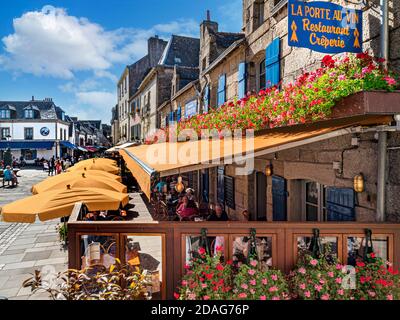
6,181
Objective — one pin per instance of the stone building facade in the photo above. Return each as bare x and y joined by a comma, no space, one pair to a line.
308,169
128,85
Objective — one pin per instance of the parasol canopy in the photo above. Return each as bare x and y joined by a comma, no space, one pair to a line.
60,203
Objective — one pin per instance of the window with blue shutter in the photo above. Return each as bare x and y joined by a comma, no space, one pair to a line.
179,113
272,63
206,99
171,117
221,90
242,80
279,198
340,204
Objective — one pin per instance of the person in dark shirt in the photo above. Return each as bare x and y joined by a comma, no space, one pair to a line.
218,214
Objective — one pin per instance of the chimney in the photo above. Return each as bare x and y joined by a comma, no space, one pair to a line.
33,98
208,15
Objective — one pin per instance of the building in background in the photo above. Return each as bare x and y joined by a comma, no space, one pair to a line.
123,117
33,129
177,67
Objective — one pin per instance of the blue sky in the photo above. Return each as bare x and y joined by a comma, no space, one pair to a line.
74,50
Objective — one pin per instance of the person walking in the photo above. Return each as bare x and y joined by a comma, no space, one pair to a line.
51,166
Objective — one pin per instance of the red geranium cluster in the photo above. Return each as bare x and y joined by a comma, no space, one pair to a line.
206,278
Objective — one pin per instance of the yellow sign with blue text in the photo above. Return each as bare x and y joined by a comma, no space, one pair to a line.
324,27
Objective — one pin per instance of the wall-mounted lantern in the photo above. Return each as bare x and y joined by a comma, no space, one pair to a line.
268,170
179,186
358,183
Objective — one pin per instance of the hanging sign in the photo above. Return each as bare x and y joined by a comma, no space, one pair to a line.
324,27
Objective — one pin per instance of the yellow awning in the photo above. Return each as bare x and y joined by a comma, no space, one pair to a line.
170,158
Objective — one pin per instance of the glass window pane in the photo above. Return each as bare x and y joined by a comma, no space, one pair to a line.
145,253
304,245
312,192
356,246
311,212
97,250
193,244
241,247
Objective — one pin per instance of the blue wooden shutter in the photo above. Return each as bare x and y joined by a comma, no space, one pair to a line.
221,90
179,113
340,204
242,80
279,199
272,63
171,116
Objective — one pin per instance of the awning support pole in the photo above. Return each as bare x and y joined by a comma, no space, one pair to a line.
381,177
384,31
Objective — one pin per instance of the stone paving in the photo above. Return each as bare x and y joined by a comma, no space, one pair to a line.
25,248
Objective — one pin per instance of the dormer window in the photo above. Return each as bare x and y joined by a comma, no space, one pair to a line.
5,114
29,114
63,116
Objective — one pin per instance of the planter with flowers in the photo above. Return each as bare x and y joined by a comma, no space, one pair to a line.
206,278
313,96
318,278
251,283
376,280
323,279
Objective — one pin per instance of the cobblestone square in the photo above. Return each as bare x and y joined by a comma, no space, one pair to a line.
25,248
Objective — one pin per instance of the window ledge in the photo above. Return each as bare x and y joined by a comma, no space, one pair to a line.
278,7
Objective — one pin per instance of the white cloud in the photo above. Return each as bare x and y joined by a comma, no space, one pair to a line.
52,43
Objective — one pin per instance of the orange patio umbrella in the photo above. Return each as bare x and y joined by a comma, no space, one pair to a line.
59,203
84,180
96,160
95,165
65,178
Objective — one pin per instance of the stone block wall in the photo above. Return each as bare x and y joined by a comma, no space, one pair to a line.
315,162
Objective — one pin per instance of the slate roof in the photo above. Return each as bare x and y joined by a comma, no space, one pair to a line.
225,39
187,75
47,109
181,51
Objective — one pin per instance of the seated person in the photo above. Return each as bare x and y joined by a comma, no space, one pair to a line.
190,194
218,214
186,210
160,186
9,175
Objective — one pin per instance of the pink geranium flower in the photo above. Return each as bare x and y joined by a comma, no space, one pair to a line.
325,297
314,262
274,277
302,270
251,272
273,289
263,298
253,263
390,81
307,294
